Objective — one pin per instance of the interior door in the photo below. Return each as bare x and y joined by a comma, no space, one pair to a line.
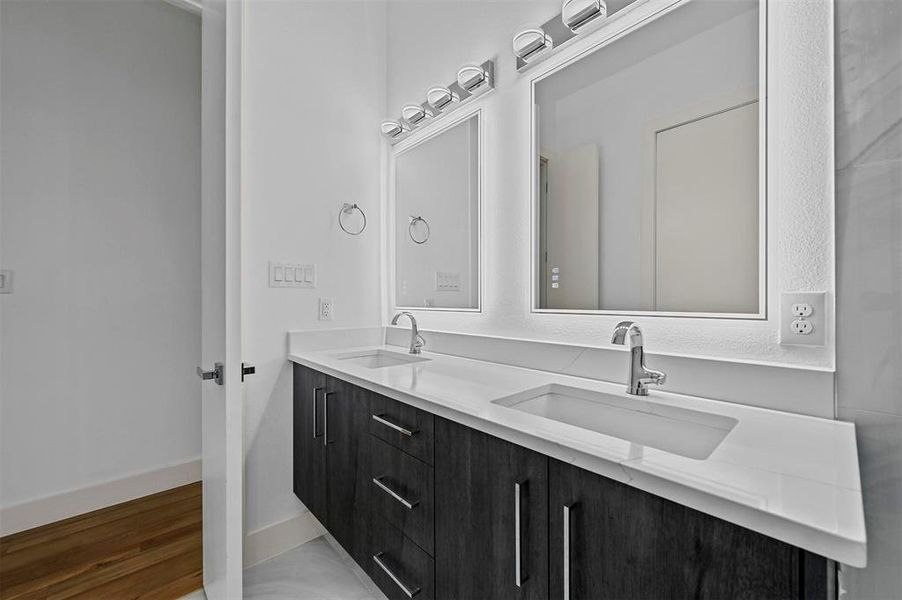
223,410
571,212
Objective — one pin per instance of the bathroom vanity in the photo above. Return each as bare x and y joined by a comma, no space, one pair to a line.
452,478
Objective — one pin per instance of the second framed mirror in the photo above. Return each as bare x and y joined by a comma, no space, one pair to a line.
436,192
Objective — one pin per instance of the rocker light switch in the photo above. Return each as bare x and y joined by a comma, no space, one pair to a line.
291,275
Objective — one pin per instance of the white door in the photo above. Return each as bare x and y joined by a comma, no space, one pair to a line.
571,213
223,410
707,214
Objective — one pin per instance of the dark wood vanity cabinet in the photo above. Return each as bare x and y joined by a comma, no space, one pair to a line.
331,453
491,517
436,509
610,540
309,445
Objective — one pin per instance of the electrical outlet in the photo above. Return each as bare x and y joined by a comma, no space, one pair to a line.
803,318
801,327
325,309
801,309
6,282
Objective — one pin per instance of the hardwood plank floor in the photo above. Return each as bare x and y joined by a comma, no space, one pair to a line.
149,548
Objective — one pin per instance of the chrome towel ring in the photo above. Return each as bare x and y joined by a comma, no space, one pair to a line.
418,237
348,209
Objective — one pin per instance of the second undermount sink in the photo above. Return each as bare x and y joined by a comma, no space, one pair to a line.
377,359
690,433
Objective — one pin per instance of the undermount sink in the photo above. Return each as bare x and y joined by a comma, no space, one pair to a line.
690,433
377,359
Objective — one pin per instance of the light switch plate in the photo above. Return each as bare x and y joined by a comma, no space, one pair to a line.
447,282
282,274
6,281
794,321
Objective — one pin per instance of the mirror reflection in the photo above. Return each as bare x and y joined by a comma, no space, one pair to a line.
648,170
437,220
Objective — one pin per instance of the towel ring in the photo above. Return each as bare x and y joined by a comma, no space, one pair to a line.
413,221
347,209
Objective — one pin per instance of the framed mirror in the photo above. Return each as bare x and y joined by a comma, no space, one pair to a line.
436,191
649,170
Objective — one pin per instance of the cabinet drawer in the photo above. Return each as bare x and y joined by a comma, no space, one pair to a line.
402,492
402,426
399,567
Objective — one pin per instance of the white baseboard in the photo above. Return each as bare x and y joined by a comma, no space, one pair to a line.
277,538
49,509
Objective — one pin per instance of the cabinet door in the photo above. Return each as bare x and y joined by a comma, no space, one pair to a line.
309,445
610,540
491,516
346,427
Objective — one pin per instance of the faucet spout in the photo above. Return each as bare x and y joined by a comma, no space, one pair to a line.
639,376
416,340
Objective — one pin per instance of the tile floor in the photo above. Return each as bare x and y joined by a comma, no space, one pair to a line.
313,571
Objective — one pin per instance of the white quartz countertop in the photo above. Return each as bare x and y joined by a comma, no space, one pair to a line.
788,476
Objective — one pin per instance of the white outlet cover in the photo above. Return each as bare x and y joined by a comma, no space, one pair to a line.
789,306
326,309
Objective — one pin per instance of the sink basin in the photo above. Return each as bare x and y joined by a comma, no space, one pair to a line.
377,359
690,433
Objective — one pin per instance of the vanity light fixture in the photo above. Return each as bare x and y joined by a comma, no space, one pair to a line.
440,96
577,13
472,81
471,77
391,129
577,18
532,42
413,113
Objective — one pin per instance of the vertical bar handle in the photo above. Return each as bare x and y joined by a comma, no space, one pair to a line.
567,509
518,533
315,390
326,418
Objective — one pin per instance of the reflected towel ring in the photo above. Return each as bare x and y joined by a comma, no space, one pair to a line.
420,239
347,209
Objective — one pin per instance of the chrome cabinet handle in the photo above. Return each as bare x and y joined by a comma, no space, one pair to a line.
326,418
395,426
567,509
407,503
315,390
518,535
409,592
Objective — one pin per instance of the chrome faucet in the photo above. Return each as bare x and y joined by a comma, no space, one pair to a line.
416,340
639,376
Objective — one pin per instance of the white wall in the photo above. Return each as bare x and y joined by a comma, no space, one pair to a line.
869,274
101,219
314,88
800,185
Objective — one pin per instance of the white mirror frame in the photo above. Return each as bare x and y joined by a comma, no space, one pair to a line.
612,36
425,134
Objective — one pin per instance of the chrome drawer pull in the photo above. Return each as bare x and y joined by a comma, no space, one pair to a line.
410,593
518,567
398,428
407,503
567,509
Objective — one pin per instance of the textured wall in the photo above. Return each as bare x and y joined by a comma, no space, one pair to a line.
869,273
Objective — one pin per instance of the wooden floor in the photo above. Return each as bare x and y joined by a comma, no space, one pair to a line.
149,548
